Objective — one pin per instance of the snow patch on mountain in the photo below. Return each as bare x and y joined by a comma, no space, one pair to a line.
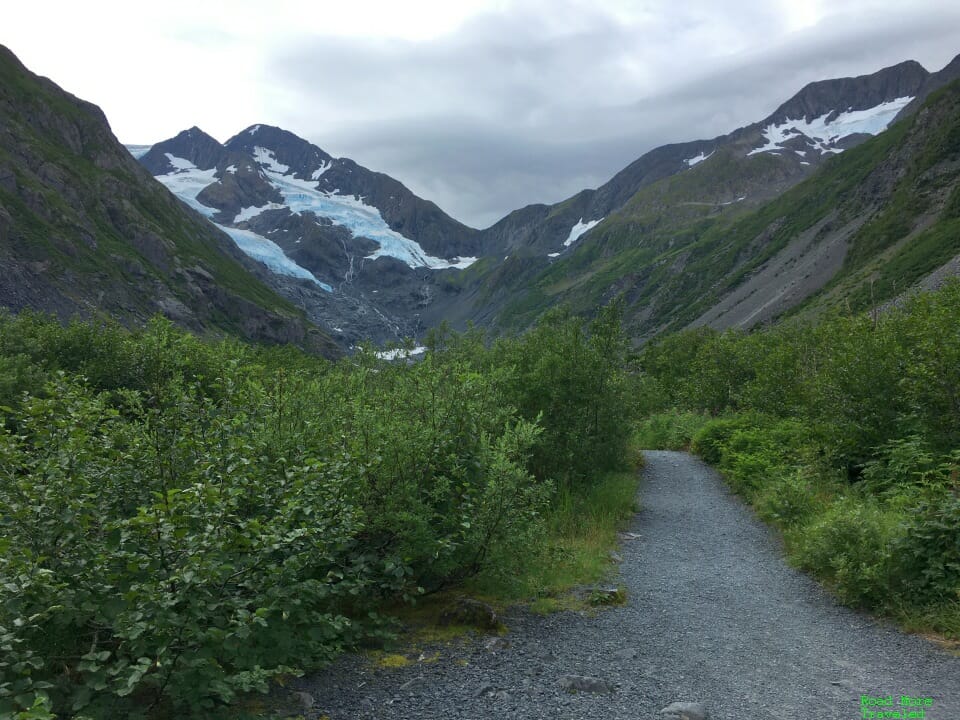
253,130
267,159
252,211
698,159
579,229
823,132
321,170
179,163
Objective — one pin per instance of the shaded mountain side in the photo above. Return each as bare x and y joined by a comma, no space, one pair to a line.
84,229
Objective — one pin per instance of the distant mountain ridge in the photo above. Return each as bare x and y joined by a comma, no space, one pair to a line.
667,197
865,218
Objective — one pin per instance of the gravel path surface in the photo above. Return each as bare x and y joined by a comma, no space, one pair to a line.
714,616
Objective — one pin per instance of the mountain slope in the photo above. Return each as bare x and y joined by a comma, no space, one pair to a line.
653,223
84,229
868,224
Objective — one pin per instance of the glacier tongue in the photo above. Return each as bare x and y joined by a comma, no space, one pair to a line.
360,219
270,254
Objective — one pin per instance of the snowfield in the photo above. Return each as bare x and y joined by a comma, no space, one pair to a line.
579,229
823,133
698,159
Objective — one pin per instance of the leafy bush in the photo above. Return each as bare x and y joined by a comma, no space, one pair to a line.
928,551
850,546
708,442
793,498
671,430
752,456
571,380
181,522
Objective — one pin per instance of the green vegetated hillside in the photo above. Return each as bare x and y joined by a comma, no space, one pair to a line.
85,230
882,215
181,522
844,434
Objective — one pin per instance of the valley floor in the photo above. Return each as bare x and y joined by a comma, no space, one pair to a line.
714,615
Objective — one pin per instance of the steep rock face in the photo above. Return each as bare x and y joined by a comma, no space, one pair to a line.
302,158
85,230
934,82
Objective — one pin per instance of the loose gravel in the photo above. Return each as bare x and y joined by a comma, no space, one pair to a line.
714,616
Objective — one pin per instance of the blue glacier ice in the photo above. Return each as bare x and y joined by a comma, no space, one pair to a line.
270,254
186,182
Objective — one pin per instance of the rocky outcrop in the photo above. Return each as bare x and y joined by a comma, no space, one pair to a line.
193,145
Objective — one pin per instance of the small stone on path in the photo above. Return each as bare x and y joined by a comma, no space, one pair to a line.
585,683
305,700
495,644
684,711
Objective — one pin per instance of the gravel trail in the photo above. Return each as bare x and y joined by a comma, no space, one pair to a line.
714,615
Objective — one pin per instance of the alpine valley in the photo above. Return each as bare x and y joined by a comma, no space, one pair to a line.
847,194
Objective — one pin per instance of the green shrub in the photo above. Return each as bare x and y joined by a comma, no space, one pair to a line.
850,546
671,430
181,522
708,442
928,550
791,499
753,456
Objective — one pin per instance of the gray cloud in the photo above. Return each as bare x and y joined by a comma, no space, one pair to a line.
538,102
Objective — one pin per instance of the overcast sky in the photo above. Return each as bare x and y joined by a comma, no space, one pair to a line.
480,105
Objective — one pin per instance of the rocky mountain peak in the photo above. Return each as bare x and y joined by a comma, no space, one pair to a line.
192,145
831,97
280,149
